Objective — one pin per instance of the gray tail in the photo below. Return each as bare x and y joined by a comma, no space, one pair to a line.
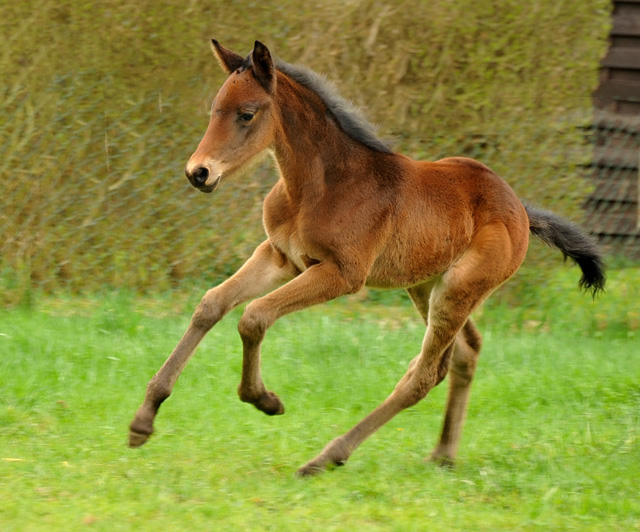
573,242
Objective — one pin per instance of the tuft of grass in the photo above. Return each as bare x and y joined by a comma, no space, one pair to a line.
552,440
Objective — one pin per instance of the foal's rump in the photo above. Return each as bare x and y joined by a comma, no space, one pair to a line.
443,207
550,228
446,204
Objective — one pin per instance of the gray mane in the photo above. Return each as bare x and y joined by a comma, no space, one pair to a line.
350,119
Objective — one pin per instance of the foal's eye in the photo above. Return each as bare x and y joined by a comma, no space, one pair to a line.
246,117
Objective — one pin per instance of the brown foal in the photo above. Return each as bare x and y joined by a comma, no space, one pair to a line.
348,212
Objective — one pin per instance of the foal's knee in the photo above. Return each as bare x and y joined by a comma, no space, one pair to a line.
466,353
254,324
472,336
464,362
413,388
443,366
208,312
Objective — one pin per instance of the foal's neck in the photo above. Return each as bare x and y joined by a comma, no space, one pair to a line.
311,150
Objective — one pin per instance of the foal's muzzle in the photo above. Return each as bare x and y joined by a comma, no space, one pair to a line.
199,177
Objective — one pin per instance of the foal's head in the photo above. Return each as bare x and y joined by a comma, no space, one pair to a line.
241,124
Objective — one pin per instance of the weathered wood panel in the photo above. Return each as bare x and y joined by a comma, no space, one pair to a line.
626,27
618,90
616,121
625,58
612,218
602,173
611,209
616,156
620,190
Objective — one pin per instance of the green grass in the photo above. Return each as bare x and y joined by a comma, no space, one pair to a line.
551,441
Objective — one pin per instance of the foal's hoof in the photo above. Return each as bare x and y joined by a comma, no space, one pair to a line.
309,470
315,468
136,439
139,432
441,460
270,404
335,454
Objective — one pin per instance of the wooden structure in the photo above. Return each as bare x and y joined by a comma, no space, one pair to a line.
612,209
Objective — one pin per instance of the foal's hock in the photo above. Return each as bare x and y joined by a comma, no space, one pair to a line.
347,212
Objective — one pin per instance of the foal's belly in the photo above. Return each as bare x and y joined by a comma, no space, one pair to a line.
393,273
414,258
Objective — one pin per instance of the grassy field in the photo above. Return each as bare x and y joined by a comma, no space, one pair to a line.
551,442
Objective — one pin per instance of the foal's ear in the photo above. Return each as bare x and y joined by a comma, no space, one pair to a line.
263,67
229,61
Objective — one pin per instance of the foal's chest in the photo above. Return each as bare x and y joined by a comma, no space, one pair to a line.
284,231
291,246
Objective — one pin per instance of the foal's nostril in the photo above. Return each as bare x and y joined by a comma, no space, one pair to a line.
200,175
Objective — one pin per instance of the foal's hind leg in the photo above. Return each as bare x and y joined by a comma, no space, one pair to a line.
492,258
464,359
425,372
265,270
461,370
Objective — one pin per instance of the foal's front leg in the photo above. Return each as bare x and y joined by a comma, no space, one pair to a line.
319,283
265,270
